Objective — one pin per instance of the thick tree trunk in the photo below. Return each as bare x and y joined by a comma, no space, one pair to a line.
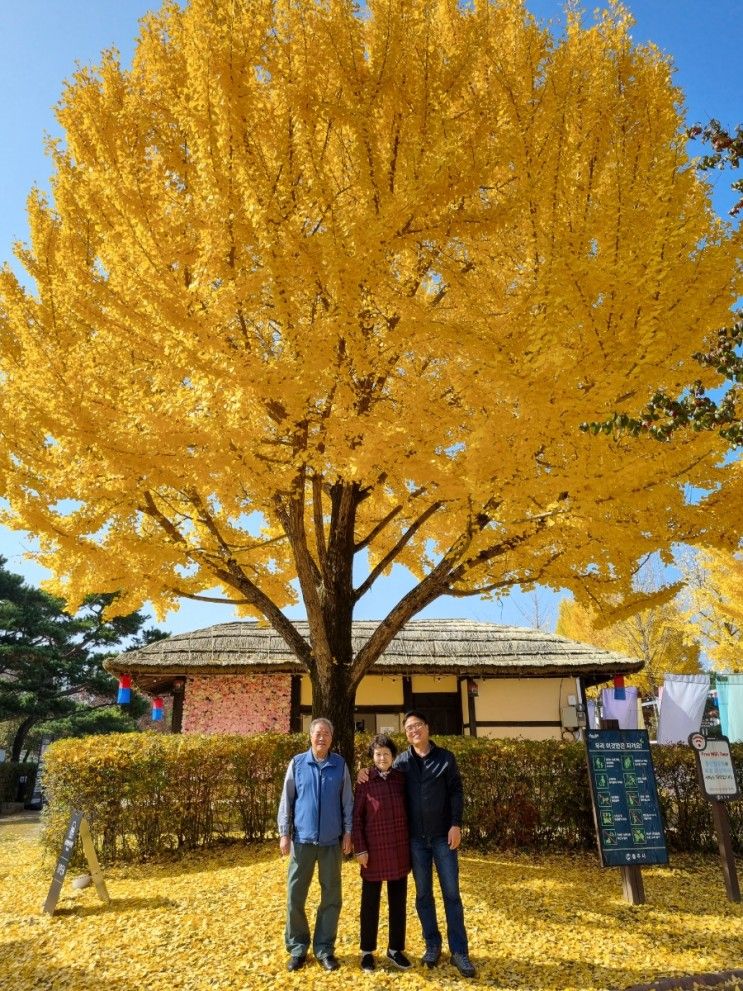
333,698
20,738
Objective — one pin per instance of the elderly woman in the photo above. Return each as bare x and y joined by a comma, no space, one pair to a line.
382,848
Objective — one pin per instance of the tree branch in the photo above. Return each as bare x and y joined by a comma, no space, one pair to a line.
393,553
237,579
183,594
377,529
457,593
317,513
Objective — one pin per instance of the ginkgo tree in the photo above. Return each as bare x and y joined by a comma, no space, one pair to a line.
659,635
317,283
714,589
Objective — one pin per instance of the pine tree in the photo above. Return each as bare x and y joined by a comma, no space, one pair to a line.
51,661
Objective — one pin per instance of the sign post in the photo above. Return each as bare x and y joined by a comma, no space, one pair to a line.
78,826
717,780
626,812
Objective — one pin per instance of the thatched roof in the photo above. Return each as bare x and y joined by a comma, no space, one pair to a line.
424,646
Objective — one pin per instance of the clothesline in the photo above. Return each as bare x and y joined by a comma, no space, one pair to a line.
682,702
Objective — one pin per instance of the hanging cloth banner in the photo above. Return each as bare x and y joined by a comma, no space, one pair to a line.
730,701
722,703
682,706
620,703
593,716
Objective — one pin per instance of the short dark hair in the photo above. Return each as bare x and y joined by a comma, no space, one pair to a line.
382,740
415,713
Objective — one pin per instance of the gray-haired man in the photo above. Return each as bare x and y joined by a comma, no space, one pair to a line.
315,821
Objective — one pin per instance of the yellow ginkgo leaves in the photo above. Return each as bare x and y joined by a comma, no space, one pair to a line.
315,282
215,923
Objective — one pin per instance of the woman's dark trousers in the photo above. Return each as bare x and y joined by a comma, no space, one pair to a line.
396,898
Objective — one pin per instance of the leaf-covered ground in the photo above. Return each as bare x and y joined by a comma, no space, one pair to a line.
215,921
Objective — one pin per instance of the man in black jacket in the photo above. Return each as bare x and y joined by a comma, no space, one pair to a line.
435,805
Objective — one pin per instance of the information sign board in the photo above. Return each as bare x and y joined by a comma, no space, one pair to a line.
715,767
629,826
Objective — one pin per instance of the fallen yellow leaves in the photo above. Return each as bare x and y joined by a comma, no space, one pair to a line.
214,922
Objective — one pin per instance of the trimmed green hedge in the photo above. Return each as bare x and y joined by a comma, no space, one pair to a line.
149,794
12,789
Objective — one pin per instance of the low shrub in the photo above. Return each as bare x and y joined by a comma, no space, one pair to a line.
150,794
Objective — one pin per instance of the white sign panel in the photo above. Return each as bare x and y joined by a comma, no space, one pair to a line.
715,766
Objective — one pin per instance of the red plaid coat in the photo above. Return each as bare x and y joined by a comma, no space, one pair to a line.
380,826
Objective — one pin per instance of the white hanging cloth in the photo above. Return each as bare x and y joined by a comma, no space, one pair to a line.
593,716
620,704
682,706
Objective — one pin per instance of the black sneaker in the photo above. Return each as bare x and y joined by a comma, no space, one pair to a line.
463,964
431,957
367,963
296,963
399,959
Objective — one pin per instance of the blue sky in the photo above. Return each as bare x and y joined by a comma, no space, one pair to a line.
41,40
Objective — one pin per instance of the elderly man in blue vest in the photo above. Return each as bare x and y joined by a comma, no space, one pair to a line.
315,822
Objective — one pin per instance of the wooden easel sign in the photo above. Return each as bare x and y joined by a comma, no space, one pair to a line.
78,826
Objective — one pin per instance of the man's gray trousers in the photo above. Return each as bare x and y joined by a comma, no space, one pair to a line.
302,862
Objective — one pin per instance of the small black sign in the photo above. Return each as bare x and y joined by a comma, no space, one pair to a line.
625,798
63,861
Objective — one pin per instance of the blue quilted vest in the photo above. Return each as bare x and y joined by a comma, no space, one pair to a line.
317,806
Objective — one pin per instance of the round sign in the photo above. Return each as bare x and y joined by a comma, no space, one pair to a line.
698,741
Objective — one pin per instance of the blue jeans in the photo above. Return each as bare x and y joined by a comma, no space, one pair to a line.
425,853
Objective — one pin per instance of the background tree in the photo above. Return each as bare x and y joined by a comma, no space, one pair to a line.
51,662
314,288
694,407
715,611
660,636
726,153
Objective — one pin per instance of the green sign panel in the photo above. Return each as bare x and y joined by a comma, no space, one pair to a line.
625,800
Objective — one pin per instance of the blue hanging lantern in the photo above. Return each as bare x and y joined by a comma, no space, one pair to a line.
125,690
158,713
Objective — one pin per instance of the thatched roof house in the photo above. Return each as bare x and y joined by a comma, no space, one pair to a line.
466,673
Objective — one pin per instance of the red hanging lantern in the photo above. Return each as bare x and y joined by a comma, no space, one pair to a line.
124,696
158,713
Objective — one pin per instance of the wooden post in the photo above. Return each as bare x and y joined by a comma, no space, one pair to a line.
295,713
725,846
179,694
95,868
632,885
472,714
407,693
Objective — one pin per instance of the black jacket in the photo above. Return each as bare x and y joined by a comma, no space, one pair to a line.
434,791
